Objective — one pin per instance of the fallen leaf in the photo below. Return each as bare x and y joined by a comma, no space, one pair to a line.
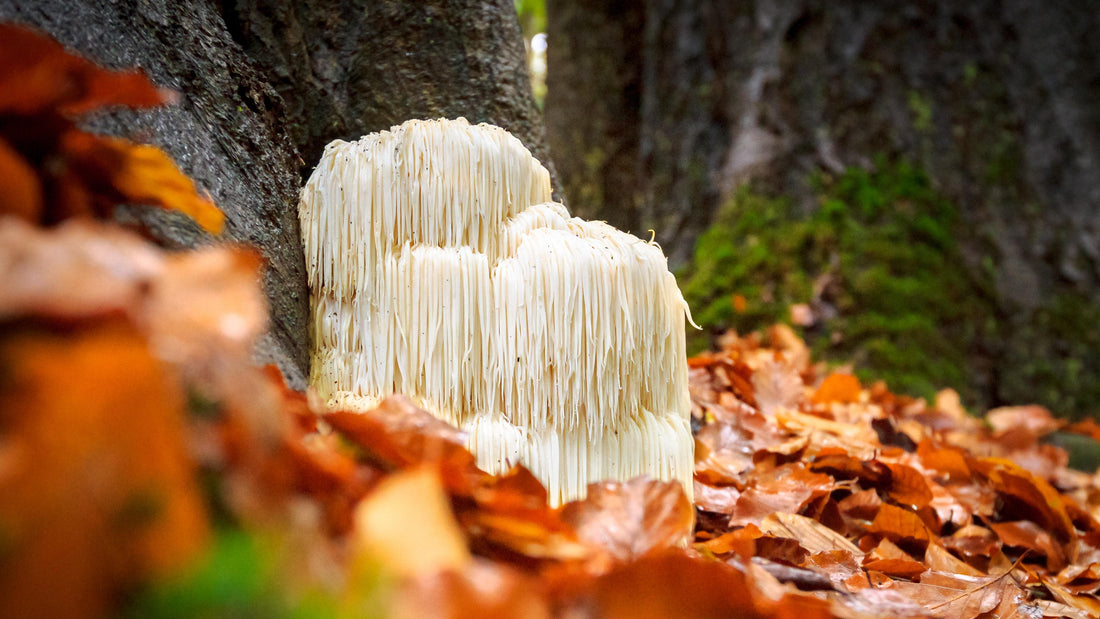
889,559
787,488
1028,535
776,384
811,534
629,519
97,491
37,74
843,388
477,591
406,524
900,526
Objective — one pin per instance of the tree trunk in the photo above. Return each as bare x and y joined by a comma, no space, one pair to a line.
266,84
994,99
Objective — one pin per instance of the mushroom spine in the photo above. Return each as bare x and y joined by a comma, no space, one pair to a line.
440,268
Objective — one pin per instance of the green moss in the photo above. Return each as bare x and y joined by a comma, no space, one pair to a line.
881,252
921,108
241,577
1051,358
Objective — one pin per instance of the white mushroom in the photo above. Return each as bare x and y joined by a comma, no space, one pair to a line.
440,268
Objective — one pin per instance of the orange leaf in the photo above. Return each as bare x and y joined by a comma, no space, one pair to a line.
407,525
671,584
908,486
893,561
739,303
843,388
900,526
137,173
478,591
97,492
1041,502
37,74
947,460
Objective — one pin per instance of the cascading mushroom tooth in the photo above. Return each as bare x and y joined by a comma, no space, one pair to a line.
441,269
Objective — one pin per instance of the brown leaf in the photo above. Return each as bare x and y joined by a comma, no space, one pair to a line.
973,543
1033,498
718,499
20,191
954,595
863,505
907,486
776,385
787,488
401,435
811,534
900,526
1028,535
891,560
97,492
510,517
938,558
1034,420
478,591
1085,603
75,271
632,518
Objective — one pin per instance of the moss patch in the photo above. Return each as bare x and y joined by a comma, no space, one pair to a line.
879,263
1052,358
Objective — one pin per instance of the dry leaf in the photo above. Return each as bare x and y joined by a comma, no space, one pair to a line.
811,534
776,384
97,492
406,524
629,519
843,388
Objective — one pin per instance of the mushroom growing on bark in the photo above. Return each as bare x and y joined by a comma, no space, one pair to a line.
439,268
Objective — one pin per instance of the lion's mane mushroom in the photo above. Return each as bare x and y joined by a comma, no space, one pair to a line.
439,268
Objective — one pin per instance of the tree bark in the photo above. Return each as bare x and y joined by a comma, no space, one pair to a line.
592,101
265,84
994,99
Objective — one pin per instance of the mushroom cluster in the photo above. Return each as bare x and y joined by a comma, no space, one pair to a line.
440,268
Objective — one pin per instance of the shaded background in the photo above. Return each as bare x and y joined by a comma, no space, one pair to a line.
923,176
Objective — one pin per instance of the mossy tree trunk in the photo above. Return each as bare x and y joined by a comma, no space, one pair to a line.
994,99
265,84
